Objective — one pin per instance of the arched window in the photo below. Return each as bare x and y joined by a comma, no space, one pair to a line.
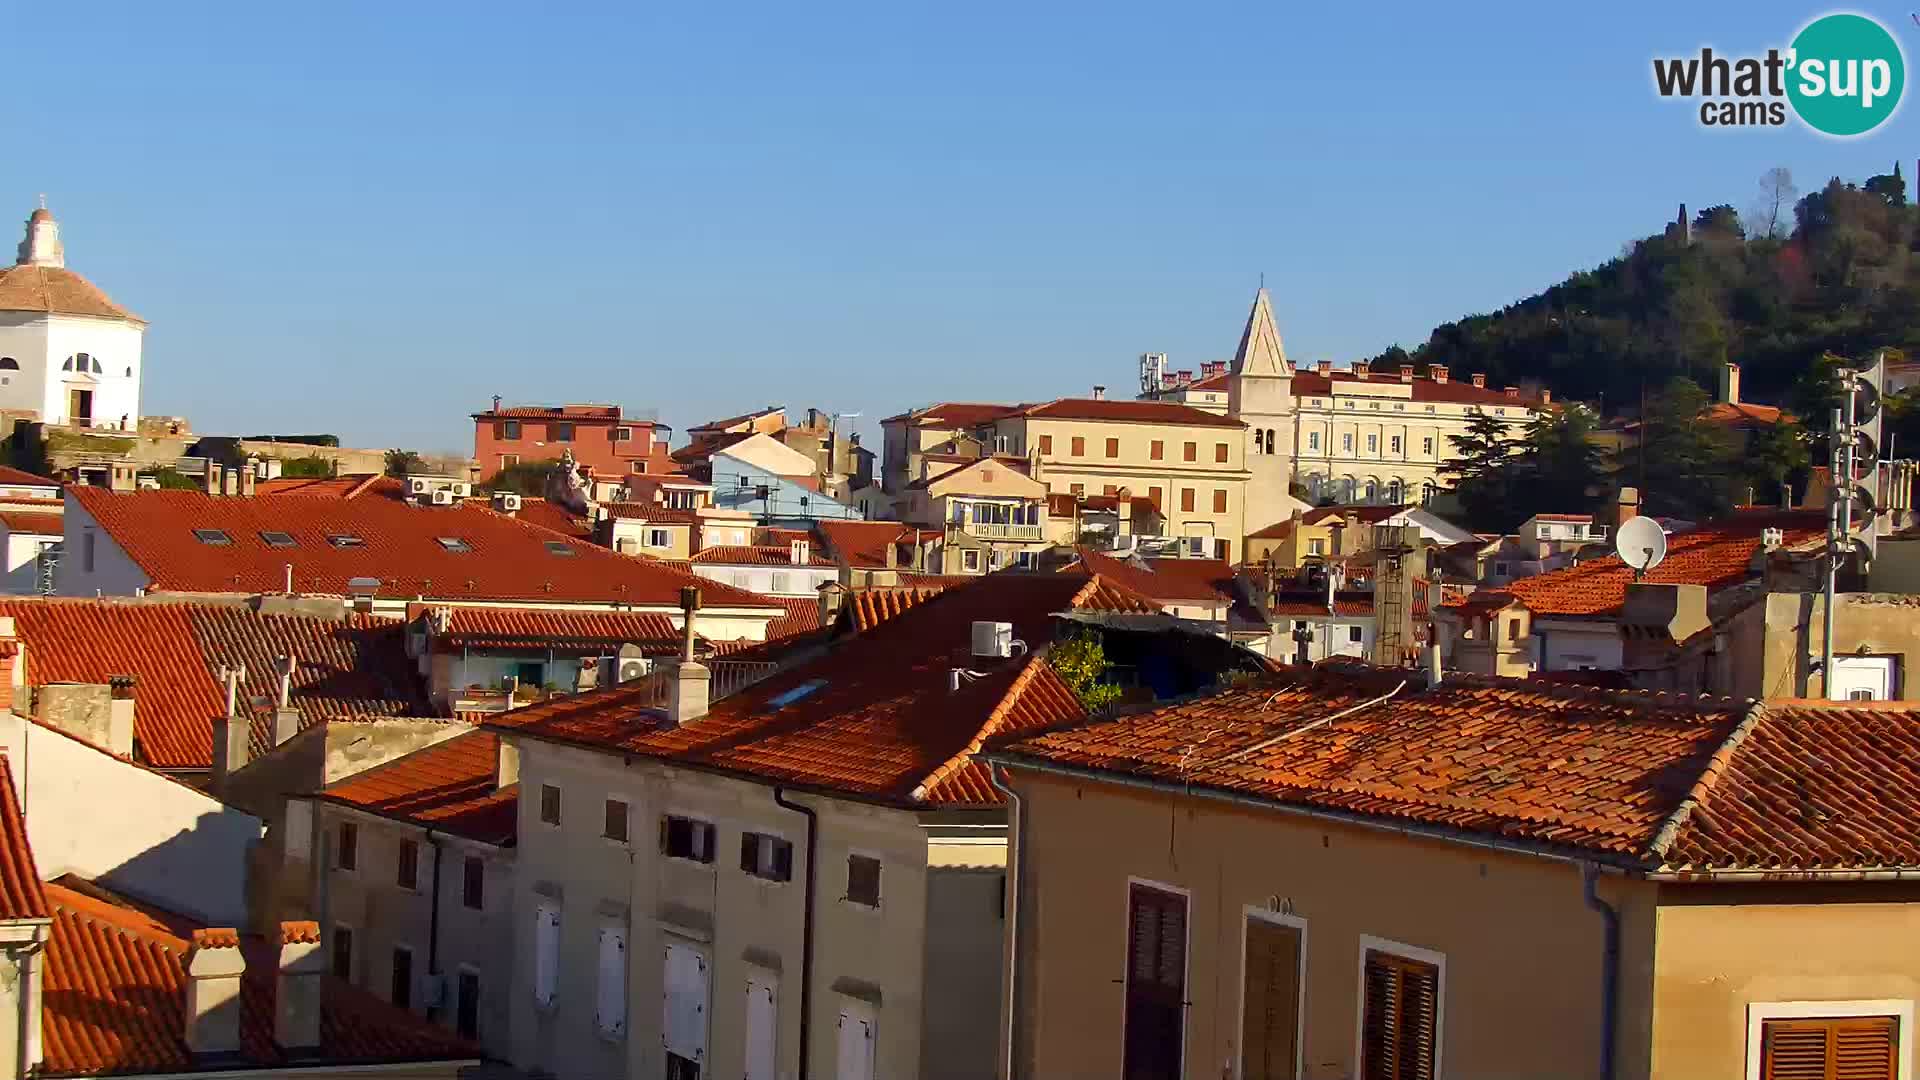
1256,440
8,363
1394,491
1373,490
84,363
1427,492
1345,491
1269,440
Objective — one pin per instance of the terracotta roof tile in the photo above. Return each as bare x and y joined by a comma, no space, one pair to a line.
1208,581
345,486
862,545
803,616
869,608
566,630
653,512
1716,554
56,291
1136,412
449,786
559,412
32,524
756,555
399,544
12,477
876,716
352,666
1454,391
21,894
555,518
301,932
115,993
958,414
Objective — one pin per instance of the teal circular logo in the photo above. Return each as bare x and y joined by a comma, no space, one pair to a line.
1847,74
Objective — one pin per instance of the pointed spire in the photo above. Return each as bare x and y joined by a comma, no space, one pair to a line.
1260,351
41,246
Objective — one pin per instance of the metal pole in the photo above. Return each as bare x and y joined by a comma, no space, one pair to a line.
1839,517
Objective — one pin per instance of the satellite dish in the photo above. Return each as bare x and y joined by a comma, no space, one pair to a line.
1641,543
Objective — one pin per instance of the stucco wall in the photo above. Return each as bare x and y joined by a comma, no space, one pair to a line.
1714,960
1776,662
1518,939
111,572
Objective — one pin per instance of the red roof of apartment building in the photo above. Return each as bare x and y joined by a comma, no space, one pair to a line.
353,666
562,630
560,412
757,555
1308,383
868,608
1127,411
459,552
956,414
1169,581
21,894
115,996
862,545
1660,783
652,512
875,717
1364,513
32,524
12,477
449,786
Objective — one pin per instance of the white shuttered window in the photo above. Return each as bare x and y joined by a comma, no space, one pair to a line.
763,1024
857,1023
546,952
610,998
685,1028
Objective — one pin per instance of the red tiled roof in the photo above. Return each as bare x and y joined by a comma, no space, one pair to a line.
21,894
1575,519
959,414
870,607
115,994
1308,383
803,616
1716,554
863,544
448,786
757,555
56,291
730,421
33,524
653,512
1207,581
880,720
554,517
1364,513
507,559
352,666
559,412
338,487
1557,766
559,629
12,477
1135,412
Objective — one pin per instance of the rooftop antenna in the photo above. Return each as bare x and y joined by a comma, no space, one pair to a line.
1641,543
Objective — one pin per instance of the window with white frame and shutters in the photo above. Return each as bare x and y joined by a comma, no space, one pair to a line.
546,953
854,1060
1830,1048
1400,1018
763,1025
684,1018
610,995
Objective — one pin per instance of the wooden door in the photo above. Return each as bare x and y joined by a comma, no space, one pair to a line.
1270,1007
1156,997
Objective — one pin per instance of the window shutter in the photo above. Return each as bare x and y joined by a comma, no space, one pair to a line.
750,852
763,1027
856,1034
685,1027
1841,1048
1399,1027
783,861
1270,1020
610,1002
546,953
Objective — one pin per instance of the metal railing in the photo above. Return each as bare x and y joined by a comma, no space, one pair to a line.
990,530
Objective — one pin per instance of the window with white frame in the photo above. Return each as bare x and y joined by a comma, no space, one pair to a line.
1313,440
610,989
1402,1005
659,538
546,952
1829,1040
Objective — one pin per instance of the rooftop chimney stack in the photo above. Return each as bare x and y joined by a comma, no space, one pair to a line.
1406,373
1479,380
230,483
122,476
296,1004
232,733
214,967
249,475
1323,367
211,478
41,246
1730,384
692,682
1099,393
1437,372
120,713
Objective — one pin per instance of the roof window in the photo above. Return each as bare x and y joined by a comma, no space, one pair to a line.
213,537
345,540
277,539
559,547
453,543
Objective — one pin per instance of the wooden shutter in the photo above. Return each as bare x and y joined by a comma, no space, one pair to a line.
1399,1028
856,1036
1270,1011
763,1025
1835,1048
1156,983
546,953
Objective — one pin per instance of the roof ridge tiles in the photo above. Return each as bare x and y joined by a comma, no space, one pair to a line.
1028,672
1717,764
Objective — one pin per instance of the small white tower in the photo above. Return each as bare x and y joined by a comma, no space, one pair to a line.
1260,395
41,246
68,353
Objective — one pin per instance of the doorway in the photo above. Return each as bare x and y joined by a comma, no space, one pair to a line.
80,408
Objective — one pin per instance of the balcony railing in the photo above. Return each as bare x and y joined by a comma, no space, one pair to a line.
988,530
655,689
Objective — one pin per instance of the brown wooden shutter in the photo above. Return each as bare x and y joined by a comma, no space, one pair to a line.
1270,1015
1399,1028
1837,1048
1156,983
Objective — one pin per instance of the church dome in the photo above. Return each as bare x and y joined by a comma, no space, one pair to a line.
55,290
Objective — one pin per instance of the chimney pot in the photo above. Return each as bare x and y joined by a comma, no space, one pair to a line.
692,690
120,713
1546,397
1437,372
1480,380
1513,392
1406,372
1099,393
1730,384
214,967
211,478
296,1001
1361,371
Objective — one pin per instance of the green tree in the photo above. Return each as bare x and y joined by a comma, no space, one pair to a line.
402,462
525,477
1559,469
1689,465
1775,455
1081,663
1482,471
312,465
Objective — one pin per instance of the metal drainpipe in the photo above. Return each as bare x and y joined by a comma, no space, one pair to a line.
1017,880
433,923
1610,969
806,929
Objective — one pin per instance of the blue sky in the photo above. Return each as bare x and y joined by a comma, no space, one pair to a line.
369,218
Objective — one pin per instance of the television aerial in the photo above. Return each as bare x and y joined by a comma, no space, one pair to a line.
1641,543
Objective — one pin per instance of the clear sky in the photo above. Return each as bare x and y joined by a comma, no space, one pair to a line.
369,218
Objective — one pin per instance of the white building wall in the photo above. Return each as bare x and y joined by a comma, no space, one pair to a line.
116,390
1560,646
797,580
23,338
91,564
21,551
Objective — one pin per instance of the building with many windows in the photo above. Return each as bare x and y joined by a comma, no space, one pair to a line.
600,436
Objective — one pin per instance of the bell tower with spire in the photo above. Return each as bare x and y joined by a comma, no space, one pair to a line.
1260,395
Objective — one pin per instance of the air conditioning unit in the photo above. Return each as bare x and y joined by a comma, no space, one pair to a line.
506,502
442,497
633,668
433,991
993,639
460,488
418,485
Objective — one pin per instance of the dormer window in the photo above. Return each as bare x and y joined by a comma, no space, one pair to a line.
453,543
278,539
212,537
345,540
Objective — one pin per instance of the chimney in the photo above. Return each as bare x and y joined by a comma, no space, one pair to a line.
211,478
1099,393
506,765
1730,384
799,553
284,666
1323,367
1546,396
214,967
1406,372
120,713
232,733
893,555
496,403
230,483
41,246
296,1001
1437,372
286,724
249,475
1361,371
1626,507
1513,392
1479,380
692,690
122,476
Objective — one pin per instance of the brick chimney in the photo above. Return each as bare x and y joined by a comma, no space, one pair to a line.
1513,392
214,967
1361,372
122,476
1437,372
249,475
1099,393
210,478
230,483
1730,384
1546,396
1479,380
296,1001
1406,372
1323,367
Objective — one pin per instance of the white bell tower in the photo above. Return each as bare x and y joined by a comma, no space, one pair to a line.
1260,395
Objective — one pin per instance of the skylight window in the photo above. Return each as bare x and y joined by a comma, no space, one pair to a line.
559,547
453,543
345,540
213,537
798,693
276,539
